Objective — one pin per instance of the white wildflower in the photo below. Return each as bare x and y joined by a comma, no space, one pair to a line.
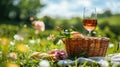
37,40
48,38
18,37
32,41
44,63
27,46
12,43
111,45
60,42
25,25
0,52
51,37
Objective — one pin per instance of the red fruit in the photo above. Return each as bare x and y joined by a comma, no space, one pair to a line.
60,55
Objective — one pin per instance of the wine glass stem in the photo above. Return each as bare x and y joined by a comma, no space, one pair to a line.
89,33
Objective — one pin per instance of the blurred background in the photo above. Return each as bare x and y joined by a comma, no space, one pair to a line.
30,26
15,16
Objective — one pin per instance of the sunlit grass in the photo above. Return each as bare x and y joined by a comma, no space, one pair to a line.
17,53
113,20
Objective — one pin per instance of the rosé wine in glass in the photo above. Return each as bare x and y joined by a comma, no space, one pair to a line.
89,19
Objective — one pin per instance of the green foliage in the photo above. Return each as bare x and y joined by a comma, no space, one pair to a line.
107,27
65,24
19,9
29,8
41,44
112,23
49,23
8,30
62,34
79,26
57,39
106,13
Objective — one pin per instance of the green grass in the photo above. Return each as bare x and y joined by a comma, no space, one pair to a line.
41,43
113,20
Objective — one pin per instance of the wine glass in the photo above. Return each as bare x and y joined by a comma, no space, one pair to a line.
89,19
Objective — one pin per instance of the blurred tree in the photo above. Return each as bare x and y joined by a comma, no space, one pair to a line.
5,6
49,23
104,24
106,13
65,24
19,9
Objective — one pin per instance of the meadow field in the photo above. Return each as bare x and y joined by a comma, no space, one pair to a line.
22,40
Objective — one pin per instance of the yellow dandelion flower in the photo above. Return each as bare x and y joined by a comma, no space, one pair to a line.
4,44
12,65
22,48
4,41
42,43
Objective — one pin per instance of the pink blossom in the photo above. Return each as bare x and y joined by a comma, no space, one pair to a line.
31,19
58,54
39,25
13,55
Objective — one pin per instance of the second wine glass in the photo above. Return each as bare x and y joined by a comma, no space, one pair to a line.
89,19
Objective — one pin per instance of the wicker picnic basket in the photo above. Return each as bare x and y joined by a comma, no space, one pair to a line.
92,46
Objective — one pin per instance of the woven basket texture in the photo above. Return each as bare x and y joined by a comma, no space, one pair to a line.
91,46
